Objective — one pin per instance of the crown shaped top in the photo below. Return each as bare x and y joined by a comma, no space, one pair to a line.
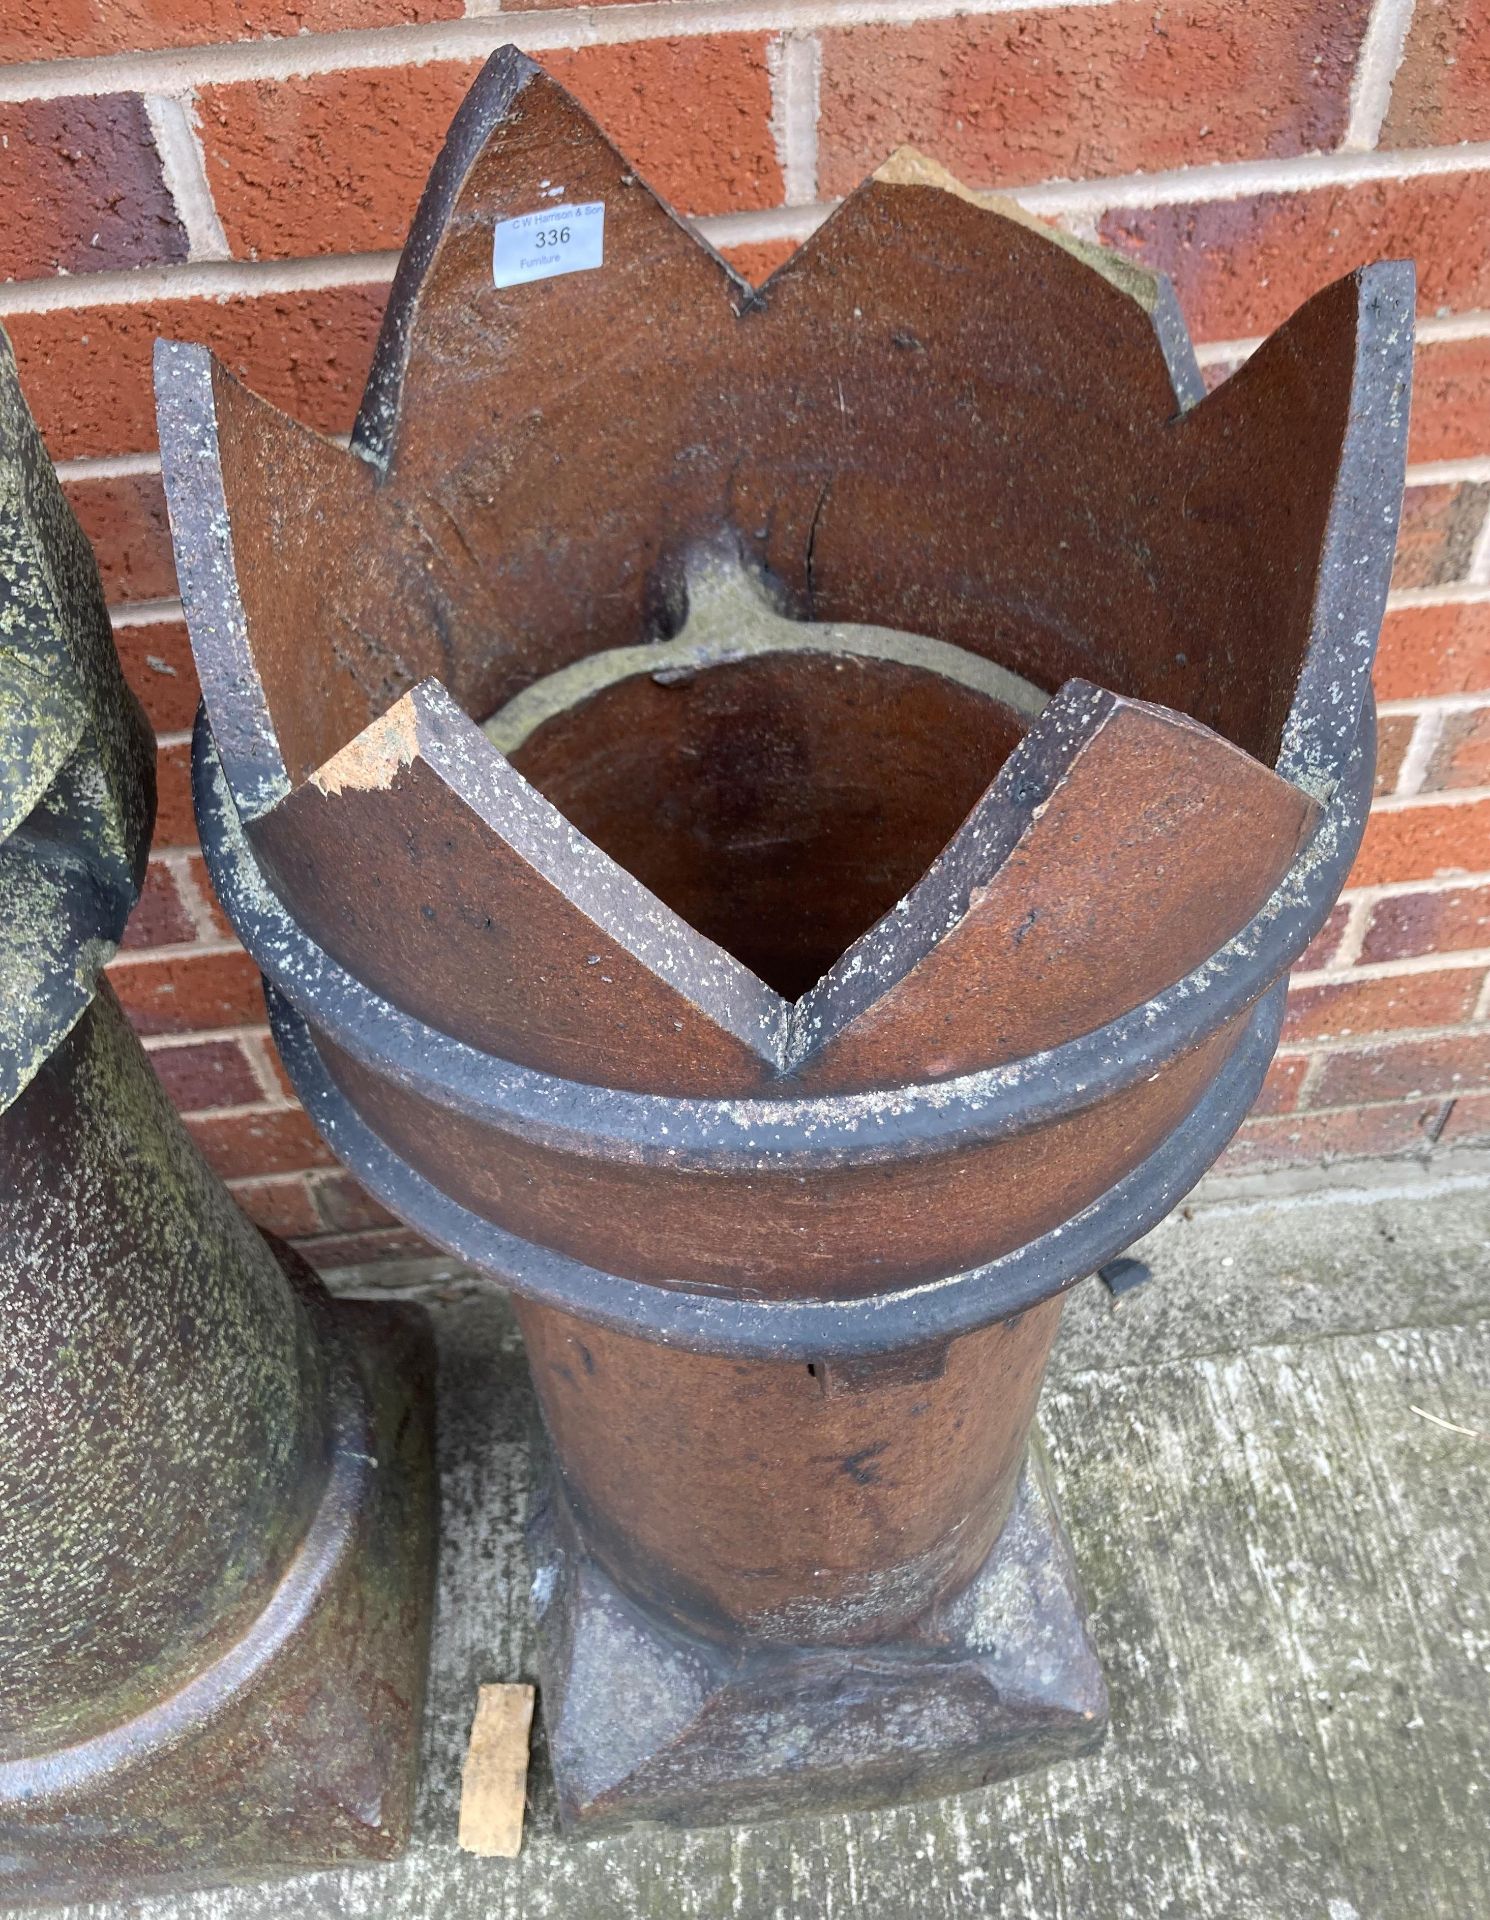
880,675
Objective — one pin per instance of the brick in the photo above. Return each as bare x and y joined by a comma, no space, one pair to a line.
345,1207
82,188
277,1140
280,1204
1242,266
1322,949
1407,925
1431,650
125,521
161,917
1336,1009
1280,1090
327,162
1462,755
175,822
330,1253
1216,373
57,29
307,165
1450,417
196,866
1424,843
1468,1121
1077,92
207,1073
86,369
1440,525
1317,1139
271,1068
759,259
157,662
1403,1070
1394,731
189,991
693,115
1442,90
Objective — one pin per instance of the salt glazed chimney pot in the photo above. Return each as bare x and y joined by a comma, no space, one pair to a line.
216,1490
776,822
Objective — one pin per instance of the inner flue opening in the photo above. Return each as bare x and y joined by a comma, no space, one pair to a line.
779,784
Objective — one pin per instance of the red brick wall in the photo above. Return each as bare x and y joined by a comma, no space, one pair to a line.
241,172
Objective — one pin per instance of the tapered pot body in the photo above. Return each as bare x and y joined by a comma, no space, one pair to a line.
216,1509
163,1431
776,821
216,1488
797,1503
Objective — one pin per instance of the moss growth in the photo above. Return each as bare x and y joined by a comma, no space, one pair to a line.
76,760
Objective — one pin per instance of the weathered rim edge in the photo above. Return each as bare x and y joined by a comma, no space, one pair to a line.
990,1104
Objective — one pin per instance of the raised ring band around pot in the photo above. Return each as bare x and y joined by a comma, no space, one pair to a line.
748,1328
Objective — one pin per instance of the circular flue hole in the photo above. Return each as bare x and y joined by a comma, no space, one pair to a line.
781,803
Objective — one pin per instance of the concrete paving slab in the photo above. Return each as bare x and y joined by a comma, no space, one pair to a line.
1275,1463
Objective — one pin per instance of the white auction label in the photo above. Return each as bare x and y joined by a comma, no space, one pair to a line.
540,246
